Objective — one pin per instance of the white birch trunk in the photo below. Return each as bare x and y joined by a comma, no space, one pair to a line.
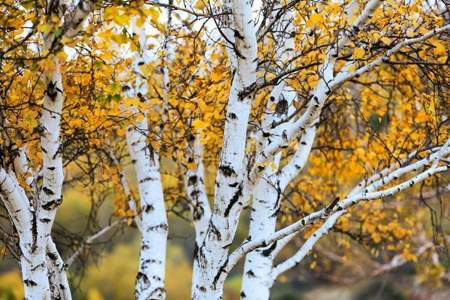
266,203
59,284
256,281
211,257
50,196
150,277
32,260
154,226
42,268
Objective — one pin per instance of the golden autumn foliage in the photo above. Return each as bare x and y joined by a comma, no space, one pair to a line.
368,123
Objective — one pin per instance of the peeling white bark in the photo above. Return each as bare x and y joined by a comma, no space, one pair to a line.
154,228
256,281
59,284
50,196
150,278
196,191
211,256
32,259
267,196
153,220
33,214
199,205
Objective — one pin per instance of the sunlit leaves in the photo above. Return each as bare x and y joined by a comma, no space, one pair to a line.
314,20
200,4
358,53
121,19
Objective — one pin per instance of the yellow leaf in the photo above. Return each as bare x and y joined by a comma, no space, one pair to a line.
76,123
105,34
131,102
216,75
199,124
421,117
442,59
107,56
408,255
399,232
386,40
153,13
192,166
374,35
140,21
147,69
376,237
62,56
44,28
119,38
114,88
200,4
439,49
358,53
314,20
120,132
121,19
110,12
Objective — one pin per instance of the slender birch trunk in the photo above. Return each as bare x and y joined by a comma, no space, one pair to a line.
59,284
211,257
196,193
33,214
257,281
154,228
150,277
153,223
43,270
32,260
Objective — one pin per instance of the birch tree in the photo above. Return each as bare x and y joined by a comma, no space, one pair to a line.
240,177
154,227
246,93
31,193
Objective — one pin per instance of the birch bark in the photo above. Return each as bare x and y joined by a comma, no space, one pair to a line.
150,277
211,256
153,222
32,260
33,213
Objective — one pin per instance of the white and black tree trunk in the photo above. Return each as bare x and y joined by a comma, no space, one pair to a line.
153,223
212,254
234,186
33,213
